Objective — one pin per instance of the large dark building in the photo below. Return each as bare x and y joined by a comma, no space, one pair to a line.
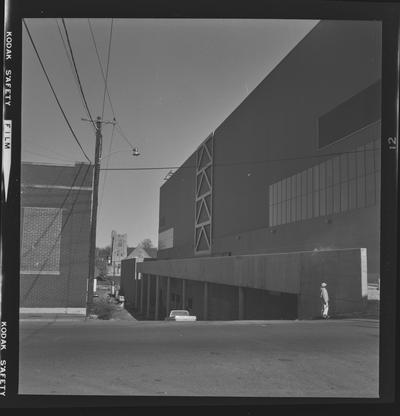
284,194
55,230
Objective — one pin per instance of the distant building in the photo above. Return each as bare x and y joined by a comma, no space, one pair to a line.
284,194
129,276
55,229
119,250
141,253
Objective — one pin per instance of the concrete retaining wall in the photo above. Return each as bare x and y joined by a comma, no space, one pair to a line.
299,273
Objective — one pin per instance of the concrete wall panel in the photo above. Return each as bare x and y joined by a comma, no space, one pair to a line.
299,273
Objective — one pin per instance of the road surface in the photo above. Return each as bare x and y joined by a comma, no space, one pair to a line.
334,358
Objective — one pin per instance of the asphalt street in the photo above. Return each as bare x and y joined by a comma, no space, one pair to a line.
334,358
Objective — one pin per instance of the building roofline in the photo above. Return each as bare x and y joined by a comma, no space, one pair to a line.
71,165
248,95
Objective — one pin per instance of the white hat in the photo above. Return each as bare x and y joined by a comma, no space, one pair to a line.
323,284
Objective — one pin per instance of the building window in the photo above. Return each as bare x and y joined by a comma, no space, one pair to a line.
345,182
41,240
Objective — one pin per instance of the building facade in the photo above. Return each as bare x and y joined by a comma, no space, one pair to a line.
288,184
55,228
131,279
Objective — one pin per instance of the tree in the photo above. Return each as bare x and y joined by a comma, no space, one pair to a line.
101,259
146,243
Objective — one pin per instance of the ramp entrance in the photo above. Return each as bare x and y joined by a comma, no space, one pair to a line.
263,304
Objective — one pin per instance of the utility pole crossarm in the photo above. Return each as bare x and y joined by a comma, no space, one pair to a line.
100,121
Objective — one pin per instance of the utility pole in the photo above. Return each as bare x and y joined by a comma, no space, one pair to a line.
96,174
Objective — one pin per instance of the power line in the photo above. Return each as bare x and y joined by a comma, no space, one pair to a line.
104,101
77,74
54,93
108,160
101,67
123,135
254,162
119,128
71,66
108,63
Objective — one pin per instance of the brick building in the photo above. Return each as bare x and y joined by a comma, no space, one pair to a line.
55,229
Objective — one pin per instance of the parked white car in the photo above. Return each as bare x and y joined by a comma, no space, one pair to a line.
180,315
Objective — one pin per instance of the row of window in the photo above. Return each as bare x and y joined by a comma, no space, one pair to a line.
348,181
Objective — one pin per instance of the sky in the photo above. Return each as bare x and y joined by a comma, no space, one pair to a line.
171,81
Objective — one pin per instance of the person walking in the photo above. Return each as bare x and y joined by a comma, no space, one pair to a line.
325,301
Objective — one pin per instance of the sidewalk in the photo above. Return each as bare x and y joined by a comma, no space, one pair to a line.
51,317
104,308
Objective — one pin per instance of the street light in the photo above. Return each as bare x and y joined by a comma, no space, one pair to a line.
135,152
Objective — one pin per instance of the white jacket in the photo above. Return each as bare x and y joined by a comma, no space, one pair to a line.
324,295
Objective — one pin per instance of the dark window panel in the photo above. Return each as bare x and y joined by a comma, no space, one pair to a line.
298,184
309,180
322,202
336,198
361,161
344,196
370,189
274,214
322,182
353,194
329,173
284,203
288,188
309,205
283,190
336,170
270,216
316,204
271,195
293,209
352,156
279,193
361,192
344,167
329,200
279,214
303,207
304,182
316,177
294,183
298,208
